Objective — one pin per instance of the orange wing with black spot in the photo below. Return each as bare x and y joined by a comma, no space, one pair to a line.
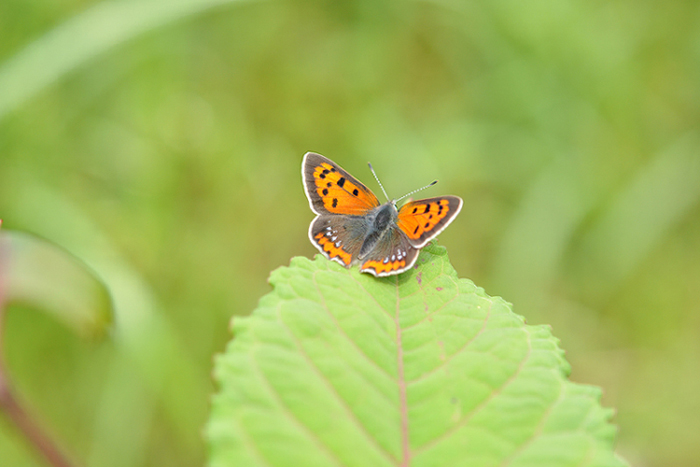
331,190
423,219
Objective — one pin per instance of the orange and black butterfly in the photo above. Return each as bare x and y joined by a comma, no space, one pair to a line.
351,225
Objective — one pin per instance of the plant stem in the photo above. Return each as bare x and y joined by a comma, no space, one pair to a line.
8,402
25,424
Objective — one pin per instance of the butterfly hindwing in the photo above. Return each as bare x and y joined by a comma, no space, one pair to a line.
423,219
332,190
392,254
338,237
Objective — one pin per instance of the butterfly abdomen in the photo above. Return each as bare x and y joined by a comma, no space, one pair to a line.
379,222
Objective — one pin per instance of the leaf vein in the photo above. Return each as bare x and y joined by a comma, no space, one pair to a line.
483,404
250,444
428,315
405,442
285,409
387,312
335,392
342,331
537,432
458,351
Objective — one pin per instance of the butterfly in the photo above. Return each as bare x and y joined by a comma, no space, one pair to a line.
352,226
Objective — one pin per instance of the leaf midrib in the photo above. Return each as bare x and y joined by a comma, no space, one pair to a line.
403,405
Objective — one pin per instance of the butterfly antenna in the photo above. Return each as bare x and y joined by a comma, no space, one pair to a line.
377,179
416,191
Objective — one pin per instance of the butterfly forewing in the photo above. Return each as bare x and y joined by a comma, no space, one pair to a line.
331,189
423,219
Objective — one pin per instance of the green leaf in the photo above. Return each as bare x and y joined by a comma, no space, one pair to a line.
41,275
338,368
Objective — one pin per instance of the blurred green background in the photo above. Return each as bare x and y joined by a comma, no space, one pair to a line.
160,142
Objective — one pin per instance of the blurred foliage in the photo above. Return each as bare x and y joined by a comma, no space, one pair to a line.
160,142
38,274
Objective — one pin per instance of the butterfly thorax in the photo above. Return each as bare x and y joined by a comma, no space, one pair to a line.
380,220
